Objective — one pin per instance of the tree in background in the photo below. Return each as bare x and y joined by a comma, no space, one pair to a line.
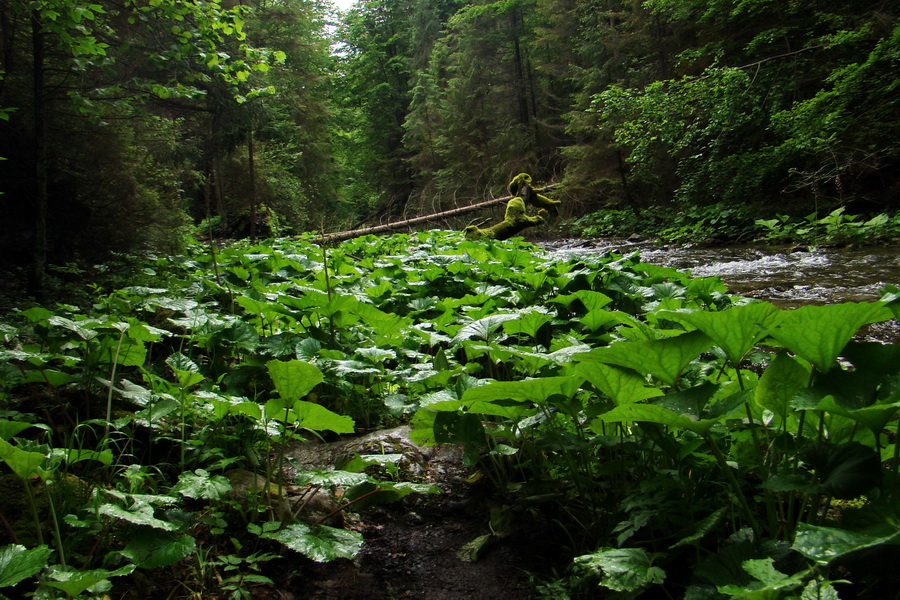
126,109
771,100
372,95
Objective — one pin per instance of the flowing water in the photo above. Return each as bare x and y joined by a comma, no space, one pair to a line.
788,278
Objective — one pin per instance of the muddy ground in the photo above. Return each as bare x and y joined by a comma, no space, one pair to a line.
412,548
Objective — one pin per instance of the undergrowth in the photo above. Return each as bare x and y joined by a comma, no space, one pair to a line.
718,223
683,441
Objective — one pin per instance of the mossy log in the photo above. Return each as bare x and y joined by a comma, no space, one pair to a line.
341,236
516,218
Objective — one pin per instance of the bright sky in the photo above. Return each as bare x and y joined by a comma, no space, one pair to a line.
344,4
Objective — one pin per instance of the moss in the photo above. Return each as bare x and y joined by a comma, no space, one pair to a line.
516,218
534,197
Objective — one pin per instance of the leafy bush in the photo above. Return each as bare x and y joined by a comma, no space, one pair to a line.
680,437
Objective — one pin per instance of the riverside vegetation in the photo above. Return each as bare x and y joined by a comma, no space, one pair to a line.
686,443
719,222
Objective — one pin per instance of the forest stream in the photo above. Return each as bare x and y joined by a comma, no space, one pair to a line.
786,277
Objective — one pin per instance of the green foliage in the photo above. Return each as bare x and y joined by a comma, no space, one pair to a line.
656,419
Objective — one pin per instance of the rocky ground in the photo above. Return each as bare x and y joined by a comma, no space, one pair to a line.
430,545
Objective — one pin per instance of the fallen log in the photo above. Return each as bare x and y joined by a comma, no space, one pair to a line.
341,236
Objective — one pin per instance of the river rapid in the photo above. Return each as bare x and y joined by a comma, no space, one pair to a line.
787,277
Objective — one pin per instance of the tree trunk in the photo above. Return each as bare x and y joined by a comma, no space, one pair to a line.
456,212
252,167
39,248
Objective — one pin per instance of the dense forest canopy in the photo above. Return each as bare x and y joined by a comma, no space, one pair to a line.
129,123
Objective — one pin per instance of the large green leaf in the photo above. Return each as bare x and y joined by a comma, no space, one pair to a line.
656,414
140,514
845,471
75,582
664,359
9,429
200,485
484,328
770,585
620,385
819,333
736,330
23,463
18,563
623,569
318,418
293,379
781,381
535,391
152,548
319,543
824,544
529,321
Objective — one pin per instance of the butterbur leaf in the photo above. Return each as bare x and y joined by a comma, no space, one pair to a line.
484,328
656,414
824,544
620,385
819,590
535,391
771,581
623,569
186,370
18,563
23,463
141,515
75,582
819,333
780,383
201,485
736,330
318,418
665,358
152,548
845,471
319,543
294,379
9,429
529,321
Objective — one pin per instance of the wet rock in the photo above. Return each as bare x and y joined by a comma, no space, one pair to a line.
289,503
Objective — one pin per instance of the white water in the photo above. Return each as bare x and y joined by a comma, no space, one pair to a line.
782,276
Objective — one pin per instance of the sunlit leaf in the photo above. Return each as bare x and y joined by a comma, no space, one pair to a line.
75,582
535,391
18,563
201,485
320,543
736,330
142,514
622,386
318,418
484,328
23,463
819,333
824,544
294,379
665,358
780,383
623,569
